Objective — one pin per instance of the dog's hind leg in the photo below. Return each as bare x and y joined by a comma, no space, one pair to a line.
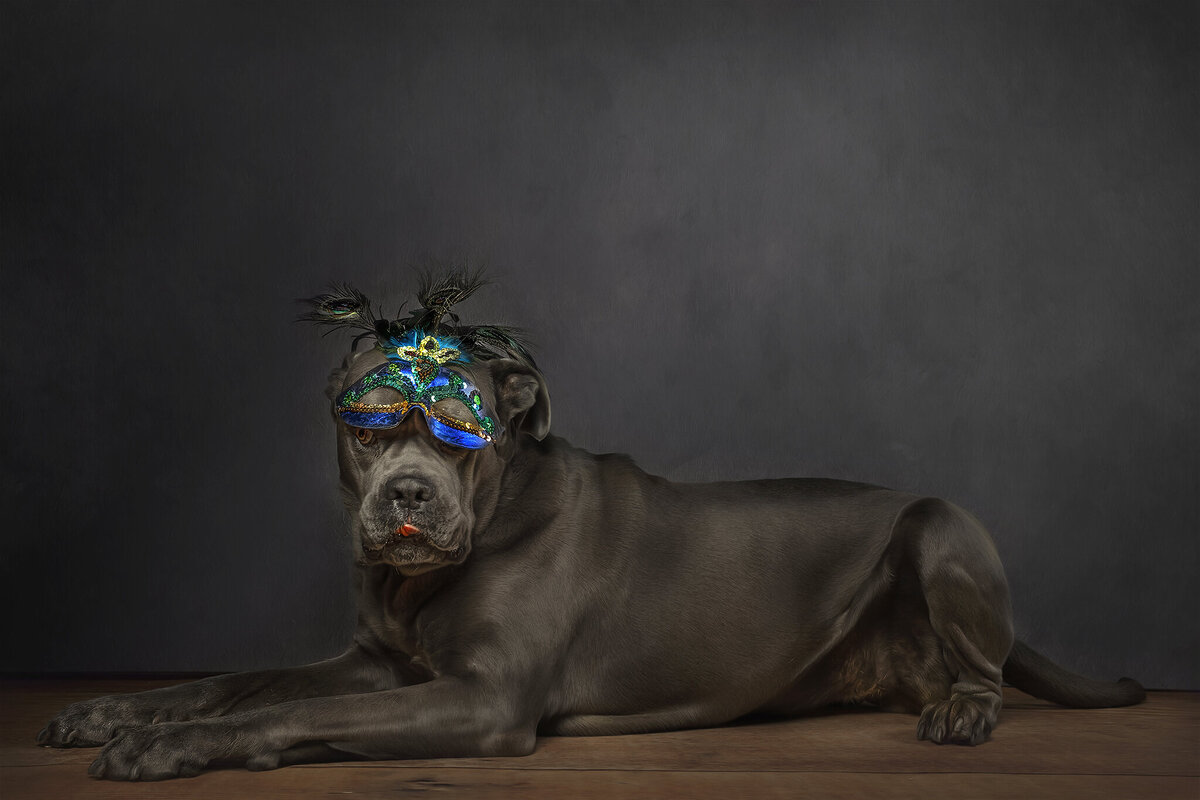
966,594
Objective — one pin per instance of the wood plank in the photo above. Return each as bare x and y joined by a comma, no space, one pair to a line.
35,783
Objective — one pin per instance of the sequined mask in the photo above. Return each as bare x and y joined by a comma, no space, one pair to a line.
452,406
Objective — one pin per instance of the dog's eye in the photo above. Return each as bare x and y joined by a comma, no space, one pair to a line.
453,450
364,436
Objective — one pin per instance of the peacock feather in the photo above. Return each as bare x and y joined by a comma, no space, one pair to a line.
345,307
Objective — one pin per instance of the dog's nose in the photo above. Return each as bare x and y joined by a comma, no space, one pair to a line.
410,492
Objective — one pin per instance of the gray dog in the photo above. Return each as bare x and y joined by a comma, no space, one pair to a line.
512,585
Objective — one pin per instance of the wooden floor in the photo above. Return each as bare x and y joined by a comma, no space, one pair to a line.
1038,750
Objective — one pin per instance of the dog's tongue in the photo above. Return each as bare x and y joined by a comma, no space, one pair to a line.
407,529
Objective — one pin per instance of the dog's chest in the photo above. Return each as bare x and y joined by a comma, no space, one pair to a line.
389,607
397,615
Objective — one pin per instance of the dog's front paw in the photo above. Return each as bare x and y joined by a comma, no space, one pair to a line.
158,752
93,722
963,719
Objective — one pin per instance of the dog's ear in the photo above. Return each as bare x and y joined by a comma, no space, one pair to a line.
522,401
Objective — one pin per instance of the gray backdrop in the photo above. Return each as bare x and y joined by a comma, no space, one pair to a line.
947,248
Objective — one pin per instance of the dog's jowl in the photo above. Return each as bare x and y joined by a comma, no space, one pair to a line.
511,585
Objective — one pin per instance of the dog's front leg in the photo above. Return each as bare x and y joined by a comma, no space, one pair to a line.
94,722
444,717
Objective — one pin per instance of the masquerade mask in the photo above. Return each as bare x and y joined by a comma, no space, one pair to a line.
452,406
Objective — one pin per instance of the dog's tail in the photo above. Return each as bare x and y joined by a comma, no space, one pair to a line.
1034,674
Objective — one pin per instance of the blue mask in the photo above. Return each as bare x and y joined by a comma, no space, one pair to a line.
419,375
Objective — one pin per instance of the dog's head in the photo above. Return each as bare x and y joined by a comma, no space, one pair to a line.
413,498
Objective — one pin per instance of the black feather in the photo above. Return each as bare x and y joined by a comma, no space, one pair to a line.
496,341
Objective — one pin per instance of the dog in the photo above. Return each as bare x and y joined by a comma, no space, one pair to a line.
511,585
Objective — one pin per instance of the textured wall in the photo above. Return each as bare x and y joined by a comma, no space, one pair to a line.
949,248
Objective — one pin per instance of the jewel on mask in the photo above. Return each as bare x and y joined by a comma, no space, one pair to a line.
426,359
